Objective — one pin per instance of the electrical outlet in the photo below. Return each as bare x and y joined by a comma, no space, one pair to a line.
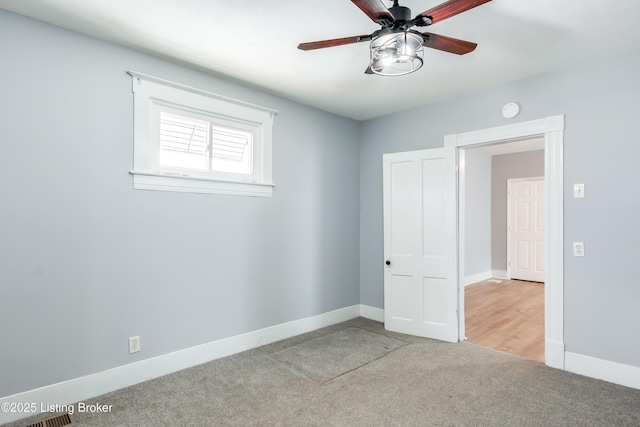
578,249
134,344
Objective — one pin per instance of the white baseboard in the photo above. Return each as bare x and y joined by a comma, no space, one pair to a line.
617,373
478,277
499,274
87,387
372,313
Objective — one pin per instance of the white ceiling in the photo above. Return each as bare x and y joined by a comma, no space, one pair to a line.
255,41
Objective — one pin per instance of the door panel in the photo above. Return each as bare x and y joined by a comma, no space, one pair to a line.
522,255
433,208
420,279
435,292
401,230
402,297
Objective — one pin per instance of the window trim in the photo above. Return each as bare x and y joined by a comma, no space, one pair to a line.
149,91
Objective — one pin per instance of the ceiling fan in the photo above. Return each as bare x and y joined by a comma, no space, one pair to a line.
396,48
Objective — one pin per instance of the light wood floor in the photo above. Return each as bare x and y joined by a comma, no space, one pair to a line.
506,316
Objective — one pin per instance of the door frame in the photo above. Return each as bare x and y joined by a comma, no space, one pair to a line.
552,128
510,181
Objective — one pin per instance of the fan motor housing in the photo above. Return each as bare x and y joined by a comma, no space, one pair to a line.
400,13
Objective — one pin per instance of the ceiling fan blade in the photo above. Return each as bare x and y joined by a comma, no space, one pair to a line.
448,44
334,42
375,10
450,8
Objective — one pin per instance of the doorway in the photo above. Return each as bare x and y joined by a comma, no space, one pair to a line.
504,240
552,130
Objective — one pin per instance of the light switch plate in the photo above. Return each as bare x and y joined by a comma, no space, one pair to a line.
578,191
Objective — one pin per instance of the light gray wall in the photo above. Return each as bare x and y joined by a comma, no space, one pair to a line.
86,261
527,164
477,227
602,148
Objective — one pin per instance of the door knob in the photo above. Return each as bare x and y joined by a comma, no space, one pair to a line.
387,262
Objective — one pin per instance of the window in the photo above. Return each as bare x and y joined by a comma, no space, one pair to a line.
189,140
202,147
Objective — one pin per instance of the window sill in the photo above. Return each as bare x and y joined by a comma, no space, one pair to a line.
190,184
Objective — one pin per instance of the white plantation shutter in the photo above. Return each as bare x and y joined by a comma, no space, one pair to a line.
189,143
229,144
183,142
231,150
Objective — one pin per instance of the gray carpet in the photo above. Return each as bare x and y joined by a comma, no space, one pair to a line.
325,358
422,383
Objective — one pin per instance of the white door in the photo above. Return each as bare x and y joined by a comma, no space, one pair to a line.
420,216
526,229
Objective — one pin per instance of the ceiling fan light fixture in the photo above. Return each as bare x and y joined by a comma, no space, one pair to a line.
396,53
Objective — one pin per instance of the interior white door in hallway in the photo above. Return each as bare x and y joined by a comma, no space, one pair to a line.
420,276
525,229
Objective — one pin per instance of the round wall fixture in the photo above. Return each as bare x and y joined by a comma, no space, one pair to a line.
510,110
